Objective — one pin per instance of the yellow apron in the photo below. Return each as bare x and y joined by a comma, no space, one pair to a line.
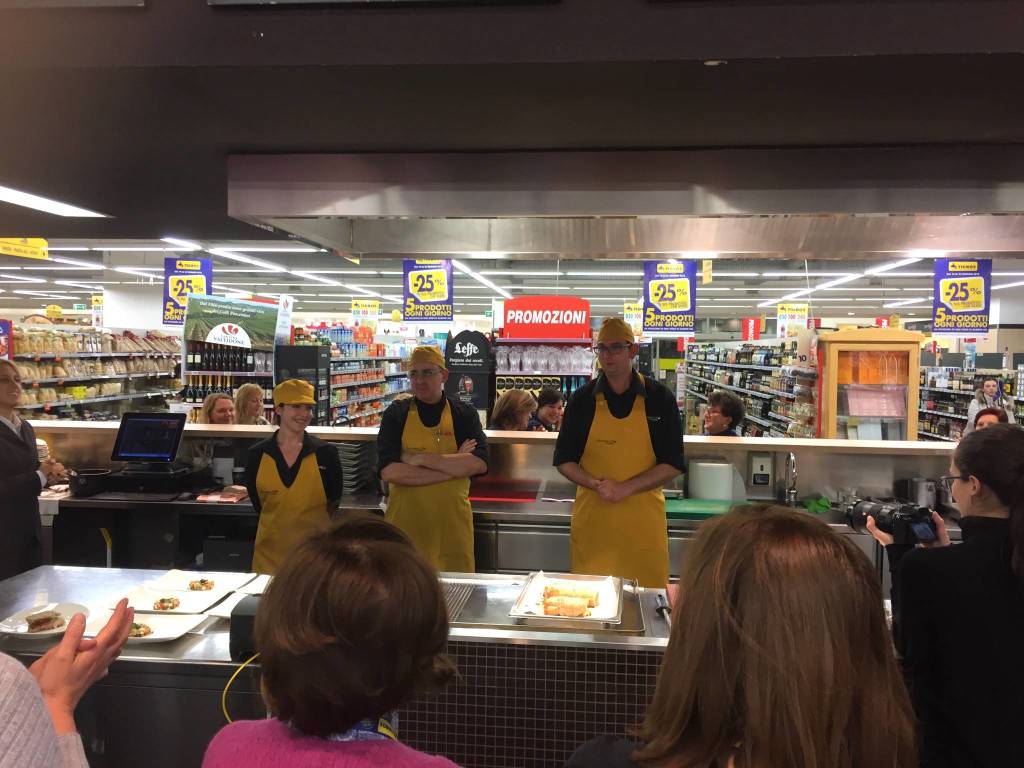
438,517
288,514
627,538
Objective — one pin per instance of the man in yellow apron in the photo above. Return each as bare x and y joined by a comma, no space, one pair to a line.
294,479
621,441
429,446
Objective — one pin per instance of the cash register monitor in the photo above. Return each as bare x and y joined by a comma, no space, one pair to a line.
149,438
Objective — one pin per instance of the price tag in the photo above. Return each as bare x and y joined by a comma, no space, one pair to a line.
180,286
671,294
428,285
963,294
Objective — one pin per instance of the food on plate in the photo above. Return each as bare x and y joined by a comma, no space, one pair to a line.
140,630
200,585
560,605
556,589
44,621
166,604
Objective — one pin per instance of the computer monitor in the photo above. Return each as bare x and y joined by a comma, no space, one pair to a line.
151,438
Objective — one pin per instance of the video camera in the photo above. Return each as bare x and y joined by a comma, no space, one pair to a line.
908,523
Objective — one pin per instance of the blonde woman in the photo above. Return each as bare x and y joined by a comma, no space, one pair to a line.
217,408
513,410
249,405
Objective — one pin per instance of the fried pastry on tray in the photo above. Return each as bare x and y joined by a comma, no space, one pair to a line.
570,607
556,589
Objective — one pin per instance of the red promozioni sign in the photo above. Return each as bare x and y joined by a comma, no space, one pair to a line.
751,328
881,322
547,317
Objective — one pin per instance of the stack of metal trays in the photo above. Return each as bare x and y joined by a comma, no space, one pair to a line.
359,466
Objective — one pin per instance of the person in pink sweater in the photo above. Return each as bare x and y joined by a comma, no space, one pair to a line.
351,627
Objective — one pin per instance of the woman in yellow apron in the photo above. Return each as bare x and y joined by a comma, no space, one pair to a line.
429,446
294,479
620,442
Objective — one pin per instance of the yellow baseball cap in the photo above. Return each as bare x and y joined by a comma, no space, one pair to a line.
615,329
428,355
294,392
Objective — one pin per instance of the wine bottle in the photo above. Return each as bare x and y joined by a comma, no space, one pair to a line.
250,360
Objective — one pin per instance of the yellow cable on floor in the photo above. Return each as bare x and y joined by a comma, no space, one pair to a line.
224,694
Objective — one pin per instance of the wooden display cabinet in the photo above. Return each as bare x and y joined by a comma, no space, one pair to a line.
870,380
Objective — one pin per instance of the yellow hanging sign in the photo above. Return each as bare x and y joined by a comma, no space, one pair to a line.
705,271
54,311
24,247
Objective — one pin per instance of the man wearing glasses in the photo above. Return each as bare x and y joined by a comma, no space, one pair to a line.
429,446
621,441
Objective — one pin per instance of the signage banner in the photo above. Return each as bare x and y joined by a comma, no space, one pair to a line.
706,271
365,312
670,297
24,247
6,340
427,291
54,311
233,323
182,277
468,350
633,315
963,292
97,310
751,328
547,317
283,326
790,319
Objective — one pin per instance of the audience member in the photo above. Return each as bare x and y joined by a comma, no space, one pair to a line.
550,407
724,415
986,417
512,411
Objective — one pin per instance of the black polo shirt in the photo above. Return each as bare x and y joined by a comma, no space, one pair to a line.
326,458
663,419
465,422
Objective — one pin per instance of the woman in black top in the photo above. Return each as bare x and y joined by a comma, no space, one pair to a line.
959,611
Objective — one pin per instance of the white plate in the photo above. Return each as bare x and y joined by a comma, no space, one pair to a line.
177,581
16,624
257,585
166,627
142,600
223,609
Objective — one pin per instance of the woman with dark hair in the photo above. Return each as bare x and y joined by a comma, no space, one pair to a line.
989,396
351,627
548,417
959,611
779,655
986,417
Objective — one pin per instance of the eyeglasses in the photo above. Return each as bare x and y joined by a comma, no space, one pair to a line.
947,480
425,374
610,349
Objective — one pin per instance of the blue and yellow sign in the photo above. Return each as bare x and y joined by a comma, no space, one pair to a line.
963,292
427,291
670,297
181,278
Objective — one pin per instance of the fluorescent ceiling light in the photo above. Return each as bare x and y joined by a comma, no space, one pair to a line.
487,254
517,272
185,245
363,291
1008,285
909,274
78,285
19,279
905,303
225,254
893,265
392,298
1008,274
391,272
278,249
926,253
605,274
343,272
53,248
77,262
480,279
314,278
795,273
44,204
735,274
137,273
132,248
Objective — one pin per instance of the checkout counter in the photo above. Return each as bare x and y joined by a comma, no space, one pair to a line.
527,696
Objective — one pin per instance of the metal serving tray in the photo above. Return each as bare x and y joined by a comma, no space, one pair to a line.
525,610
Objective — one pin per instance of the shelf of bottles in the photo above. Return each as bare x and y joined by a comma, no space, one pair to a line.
778,395
363,385
212,368
946,395
534,364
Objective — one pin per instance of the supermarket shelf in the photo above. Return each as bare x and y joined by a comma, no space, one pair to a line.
543,373
66,379
780,393
107,399
357,384
940,413
771,368
404,374
367,399
345,419
698,395
730,386
581,342
782,418
73,355
935,437
356,359
235,374
949,391
762,422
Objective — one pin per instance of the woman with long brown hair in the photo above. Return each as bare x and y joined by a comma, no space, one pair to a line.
513,410
779,656
958,612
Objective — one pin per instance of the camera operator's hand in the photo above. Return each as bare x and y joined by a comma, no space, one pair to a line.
883,538
941,534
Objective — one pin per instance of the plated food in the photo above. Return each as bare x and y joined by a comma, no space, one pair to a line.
44,621
565,589
166,604
573,607
140,630
200,585
568,597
